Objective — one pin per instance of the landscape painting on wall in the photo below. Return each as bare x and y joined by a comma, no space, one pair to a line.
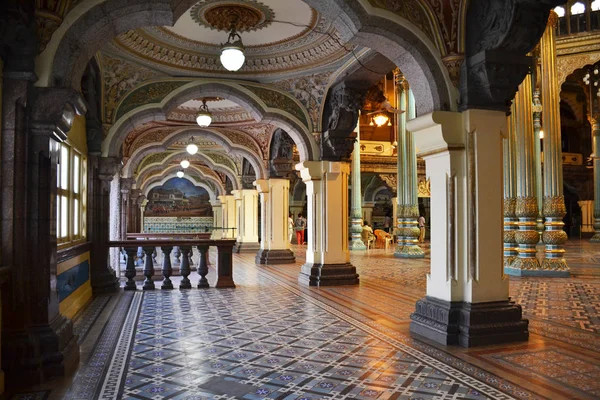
178,197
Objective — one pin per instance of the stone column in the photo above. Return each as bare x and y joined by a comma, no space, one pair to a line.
126,187
247,240
327,254
133,211
596,158
101,172
408,206
217,219
142,211
228,216
115,219
510,192
356,217
526,206
38,342
274,200
466,290
554,202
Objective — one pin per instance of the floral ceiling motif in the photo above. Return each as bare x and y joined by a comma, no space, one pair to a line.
119,78
223,116
274,99
152,159
219,14
310,90
146,94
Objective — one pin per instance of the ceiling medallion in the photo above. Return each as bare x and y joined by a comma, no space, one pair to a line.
248,15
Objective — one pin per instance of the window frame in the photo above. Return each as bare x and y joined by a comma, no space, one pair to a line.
75,214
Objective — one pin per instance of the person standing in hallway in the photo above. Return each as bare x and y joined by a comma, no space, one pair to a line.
387,224
421,221
290,226
300,226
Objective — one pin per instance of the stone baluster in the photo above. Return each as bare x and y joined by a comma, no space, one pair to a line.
185,267
203,266
191,256
167,269
154,255
130,268
148,268
554,202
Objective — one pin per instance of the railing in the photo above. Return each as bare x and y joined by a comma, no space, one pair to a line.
224,261
147,236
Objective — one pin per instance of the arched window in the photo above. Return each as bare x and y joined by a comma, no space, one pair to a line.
578,20
595,15
562,21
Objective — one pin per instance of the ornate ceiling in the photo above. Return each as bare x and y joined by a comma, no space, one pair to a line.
280,38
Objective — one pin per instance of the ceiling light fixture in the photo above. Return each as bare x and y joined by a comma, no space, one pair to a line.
232,52
180,173
191,147
381,119
204,117
184,164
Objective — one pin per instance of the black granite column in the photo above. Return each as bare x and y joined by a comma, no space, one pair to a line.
101,172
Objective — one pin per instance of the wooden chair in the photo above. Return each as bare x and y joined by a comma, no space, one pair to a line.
367,239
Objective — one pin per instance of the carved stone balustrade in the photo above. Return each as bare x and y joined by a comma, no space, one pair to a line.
224,261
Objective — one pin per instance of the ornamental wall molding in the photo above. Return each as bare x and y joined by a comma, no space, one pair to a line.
566,65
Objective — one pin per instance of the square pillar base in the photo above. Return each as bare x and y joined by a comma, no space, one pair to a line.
328,275
468,324
284,256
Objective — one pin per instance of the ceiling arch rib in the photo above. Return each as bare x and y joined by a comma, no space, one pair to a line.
164,174
260,101
162,139
177,156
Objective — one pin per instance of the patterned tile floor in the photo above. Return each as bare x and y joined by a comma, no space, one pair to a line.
272,339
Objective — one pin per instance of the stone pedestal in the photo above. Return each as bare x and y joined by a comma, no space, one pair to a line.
274,200
467,299
247,217
327,254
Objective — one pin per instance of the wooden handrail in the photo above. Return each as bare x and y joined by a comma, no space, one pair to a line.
200,235
172,242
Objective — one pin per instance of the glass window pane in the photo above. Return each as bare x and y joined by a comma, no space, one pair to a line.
76,174
64,167
63,216
595,5
577,8
560,11
58,216
75,217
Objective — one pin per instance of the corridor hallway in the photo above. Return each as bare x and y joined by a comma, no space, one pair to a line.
272,339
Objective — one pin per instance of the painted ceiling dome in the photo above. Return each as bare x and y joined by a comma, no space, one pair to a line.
280,37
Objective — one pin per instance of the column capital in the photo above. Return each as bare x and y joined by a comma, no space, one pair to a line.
53,111
438,132
215,203
126,185
262,185
108,167
315,170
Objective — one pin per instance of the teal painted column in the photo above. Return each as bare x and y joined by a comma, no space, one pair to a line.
408,202
356,211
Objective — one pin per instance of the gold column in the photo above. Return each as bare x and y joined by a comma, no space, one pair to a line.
554,203
596,160
510,192
526,208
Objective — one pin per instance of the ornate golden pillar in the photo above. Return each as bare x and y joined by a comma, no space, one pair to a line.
526,208
554,203
596,159
510,192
